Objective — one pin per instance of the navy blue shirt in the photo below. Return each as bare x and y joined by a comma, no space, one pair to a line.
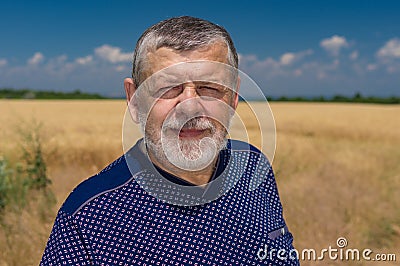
110,219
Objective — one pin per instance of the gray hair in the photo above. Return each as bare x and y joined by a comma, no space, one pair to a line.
181,34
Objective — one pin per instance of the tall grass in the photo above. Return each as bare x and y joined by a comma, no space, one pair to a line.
24,193
13,187
32,156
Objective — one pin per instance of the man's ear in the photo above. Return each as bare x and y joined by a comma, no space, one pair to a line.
130,90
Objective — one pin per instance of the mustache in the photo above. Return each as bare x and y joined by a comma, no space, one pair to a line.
198,123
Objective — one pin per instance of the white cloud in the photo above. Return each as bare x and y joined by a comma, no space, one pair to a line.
63,73
388,56
288,73
267,67
392,69
354,55
290,58
334,44
335,63
61,58
3,62
287,59
321,75
112,54
36,58
120,68
372,67
288,65
298,72
58,61
84,60
390,50
247,58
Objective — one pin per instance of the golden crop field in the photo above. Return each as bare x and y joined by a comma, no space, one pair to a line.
337,167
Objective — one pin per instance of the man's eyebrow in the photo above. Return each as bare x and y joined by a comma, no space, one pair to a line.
168,78
217,82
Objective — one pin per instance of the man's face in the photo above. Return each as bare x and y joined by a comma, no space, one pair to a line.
186,124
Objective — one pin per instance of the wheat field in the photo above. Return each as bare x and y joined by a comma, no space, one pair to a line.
337,167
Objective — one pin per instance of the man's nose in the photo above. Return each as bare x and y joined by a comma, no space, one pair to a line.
189,91
189,101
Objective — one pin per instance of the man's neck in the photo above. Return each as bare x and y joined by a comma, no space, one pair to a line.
198,178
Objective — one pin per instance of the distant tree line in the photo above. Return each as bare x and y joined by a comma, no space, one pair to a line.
36,94
77,94
356,98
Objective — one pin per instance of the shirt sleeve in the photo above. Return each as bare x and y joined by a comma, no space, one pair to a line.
279,249
66,244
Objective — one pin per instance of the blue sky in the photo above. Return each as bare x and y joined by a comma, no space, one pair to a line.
291,48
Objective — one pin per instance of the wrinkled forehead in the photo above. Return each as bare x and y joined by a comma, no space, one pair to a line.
163,57
193,71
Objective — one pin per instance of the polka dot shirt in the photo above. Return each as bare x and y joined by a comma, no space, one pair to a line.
110,219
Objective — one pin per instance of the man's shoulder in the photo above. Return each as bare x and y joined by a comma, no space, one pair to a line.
111,177
257,168
238,145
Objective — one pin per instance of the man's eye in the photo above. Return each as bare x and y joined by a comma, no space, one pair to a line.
207,89
211,92
169,92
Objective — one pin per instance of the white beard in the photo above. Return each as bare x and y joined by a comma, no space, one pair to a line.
188,155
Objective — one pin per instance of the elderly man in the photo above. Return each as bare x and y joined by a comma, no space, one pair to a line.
184,194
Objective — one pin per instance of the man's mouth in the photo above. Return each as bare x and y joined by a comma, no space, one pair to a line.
192,133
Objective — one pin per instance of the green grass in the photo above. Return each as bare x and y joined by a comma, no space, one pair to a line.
29,174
